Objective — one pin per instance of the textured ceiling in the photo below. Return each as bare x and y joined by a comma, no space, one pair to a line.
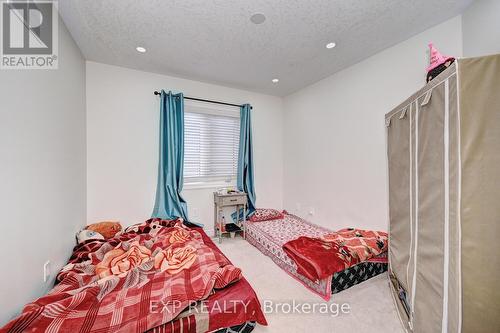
214,40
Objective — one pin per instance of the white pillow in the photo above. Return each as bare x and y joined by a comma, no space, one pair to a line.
86,235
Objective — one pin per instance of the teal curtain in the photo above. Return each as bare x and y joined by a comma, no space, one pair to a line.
245,180
169,203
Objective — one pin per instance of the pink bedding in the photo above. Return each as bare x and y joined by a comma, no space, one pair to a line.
136,282
270,237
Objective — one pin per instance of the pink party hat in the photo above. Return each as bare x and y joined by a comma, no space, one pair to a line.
436,58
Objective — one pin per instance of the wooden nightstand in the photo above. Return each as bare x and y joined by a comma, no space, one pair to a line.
237,200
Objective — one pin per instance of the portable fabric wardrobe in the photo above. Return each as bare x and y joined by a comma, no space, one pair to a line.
444,201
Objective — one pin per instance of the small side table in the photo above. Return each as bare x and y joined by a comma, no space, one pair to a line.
237,200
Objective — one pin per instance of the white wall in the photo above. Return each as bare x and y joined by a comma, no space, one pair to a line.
122,145
481,28
334,155
42,173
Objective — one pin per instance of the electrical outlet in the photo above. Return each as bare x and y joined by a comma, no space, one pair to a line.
298,206
46,271
196,213
311,211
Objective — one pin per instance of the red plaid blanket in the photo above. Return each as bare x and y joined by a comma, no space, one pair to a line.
233,305
131,283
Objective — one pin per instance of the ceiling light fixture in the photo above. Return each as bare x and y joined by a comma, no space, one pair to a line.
276,80
331,45
257,18
140,49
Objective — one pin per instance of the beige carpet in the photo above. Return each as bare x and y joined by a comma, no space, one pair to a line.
371,305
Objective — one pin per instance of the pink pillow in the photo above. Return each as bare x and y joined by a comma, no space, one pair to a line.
265,214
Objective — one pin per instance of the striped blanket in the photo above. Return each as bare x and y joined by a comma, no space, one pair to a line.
131,283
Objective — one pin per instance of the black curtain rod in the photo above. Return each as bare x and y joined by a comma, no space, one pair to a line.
206,100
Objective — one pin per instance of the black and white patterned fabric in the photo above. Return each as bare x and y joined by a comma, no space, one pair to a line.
356,274
243,328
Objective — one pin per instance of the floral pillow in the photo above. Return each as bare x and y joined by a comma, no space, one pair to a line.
265,214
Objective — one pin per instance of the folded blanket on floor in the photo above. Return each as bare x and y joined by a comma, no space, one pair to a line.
318,258
363,244
130,283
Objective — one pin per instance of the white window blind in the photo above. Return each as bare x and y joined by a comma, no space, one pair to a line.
211,142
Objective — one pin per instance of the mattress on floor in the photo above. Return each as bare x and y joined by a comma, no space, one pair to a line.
356,274
212,292
270,236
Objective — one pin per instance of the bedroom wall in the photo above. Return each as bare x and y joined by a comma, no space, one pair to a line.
42,173
122,143
481,28
334,138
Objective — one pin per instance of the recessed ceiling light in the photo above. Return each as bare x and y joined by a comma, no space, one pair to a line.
140,49
275,80
331,45
257,18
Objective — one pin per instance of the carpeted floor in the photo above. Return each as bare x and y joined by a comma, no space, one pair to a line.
371,307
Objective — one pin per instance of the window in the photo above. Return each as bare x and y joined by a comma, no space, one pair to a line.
211,142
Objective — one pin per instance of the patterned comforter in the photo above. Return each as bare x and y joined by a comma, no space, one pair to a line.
318,257
138,281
